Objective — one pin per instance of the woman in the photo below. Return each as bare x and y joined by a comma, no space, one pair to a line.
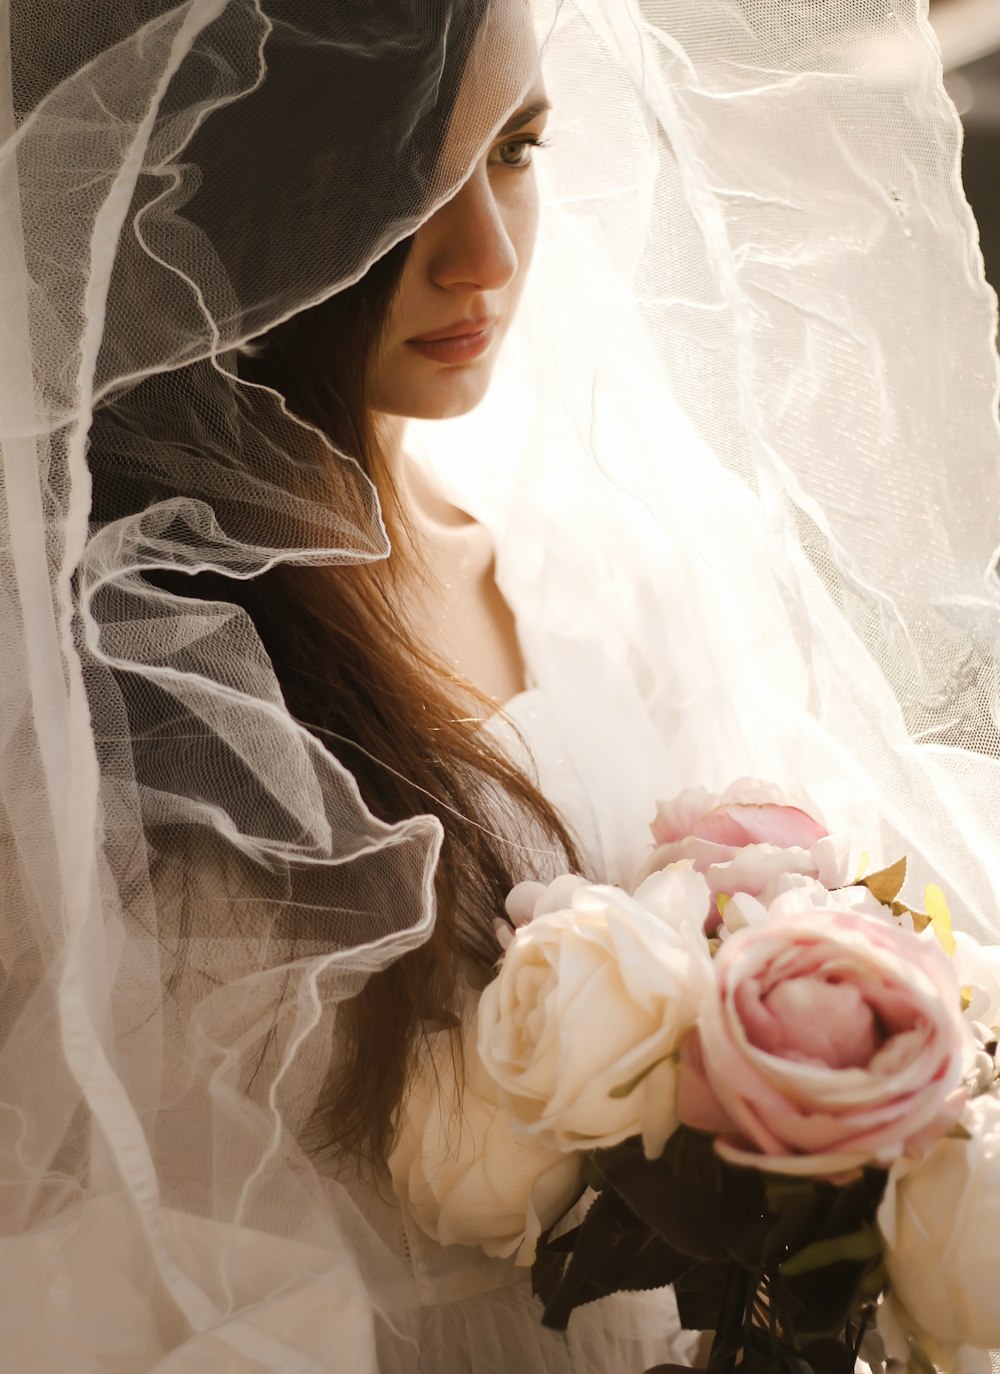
280,208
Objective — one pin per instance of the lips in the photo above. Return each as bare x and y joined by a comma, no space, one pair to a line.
461,330
462,342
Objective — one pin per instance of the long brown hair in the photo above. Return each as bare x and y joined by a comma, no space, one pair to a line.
351,673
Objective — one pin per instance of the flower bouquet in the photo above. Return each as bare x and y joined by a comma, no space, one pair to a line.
765,1084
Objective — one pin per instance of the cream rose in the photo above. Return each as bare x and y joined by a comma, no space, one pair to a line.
462,1173
832,1039
940,1219
592,999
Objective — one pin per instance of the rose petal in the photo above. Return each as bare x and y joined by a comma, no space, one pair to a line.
676,819
786,827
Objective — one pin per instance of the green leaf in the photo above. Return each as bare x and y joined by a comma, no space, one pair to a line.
624,1089
818,1302
605,1163
613,1251
828,1357
690,1217
774,1360
862,1245
782,1190
702,1294
593,1176
798,1221
874,1281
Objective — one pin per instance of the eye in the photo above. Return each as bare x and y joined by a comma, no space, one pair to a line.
517,153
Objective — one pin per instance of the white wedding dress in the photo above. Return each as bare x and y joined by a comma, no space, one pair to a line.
477,1313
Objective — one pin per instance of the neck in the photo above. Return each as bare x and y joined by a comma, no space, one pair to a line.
390,430
447,593
422,509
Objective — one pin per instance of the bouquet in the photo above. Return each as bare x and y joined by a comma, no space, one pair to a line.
765,1083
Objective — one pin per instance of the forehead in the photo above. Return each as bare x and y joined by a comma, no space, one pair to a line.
503,68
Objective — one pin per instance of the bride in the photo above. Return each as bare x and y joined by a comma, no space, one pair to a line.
300,682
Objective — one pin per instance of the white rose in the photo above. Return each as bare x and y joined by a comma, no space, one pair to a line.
465,1178
893,1340
941,1222
978,970
530,899
792,893
591,999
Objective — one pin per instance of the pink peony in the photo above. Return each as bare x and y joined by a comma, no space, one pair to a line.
832,1040
743,841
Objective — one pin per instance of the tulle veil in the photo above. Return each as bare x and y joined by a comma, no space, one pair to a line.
740,466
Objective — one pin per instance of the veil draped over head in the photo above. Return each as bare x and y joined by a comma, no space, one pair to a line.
740,464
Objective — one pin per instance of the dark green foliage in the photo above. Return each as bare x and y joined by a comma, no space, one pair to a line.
777,1267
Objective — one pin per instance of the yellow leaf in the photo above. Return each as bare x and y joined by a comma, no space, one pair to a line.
886,884
940,918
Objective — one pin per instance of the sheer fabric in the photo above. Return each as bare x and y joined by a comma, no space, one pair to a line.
741,473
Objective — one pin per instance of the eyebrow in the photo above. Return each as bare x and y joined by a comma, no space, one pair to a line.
524,116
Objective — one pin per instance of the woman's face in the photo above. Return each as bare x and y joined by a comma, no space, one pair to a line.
463,279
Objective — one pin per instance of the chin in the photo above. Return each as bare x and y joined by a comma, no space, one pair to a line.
451,393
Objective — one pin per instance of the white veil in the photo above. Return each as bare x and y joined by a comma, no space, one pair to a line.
750,514
741,469
176,179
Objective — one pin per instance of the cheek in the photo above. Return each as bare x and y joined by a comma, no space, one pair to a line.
403,318
520,219
402,383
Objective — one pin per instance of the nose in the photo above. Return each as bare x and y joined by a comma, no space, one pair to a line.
468,242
